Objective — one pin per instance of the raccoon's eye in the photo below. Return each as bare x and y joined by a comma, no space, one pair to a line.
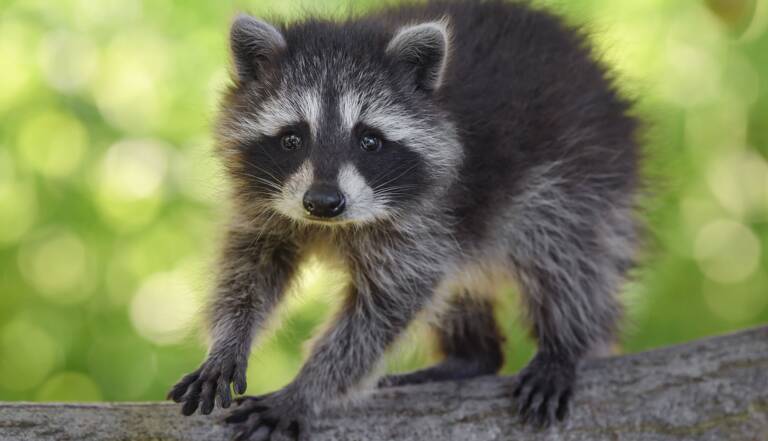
370,143
290,141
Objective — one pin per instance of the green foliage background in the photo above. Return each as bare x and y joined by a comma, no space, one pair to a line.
110,198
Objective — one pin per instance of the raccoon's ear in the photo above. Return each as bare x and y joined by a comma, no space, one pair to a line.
423,49
255,44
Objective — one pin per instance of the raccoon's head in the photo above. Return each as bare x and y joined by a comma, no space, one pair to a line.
338,123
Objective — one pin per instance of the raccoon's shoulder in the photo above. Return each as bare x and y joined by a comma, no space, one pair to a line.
509,59
480,28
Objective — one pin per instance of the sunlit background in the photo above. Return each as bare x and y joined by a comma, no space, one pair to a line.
110,199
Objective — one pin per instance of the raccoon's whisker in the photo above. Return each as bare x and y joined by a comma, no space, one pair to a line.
262,170
392,190
251,175
270,184
387,196
265,223
386,174
400,175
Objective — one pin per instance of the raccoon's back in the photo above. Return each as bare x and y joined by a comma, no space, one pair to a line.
526,91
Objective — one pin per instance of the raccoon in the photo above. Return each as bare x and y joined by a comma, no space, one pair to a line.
433,150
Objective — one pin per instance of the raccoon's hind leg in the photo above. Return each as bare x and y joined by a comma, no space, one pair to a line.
470,340
570,261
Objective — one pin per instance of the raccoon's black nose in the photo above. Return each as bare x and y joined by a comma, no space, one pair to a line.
324,201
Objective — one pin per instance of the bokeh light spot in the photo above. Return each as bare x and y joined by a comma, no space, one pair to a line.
693,58
727,251
163,308
739,181
196,174
69,386
67,60
130,181
130,88
27,355
52,143
56,265
135,169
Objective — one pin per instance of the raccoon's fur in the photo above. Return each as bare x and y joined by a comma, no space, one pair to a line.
429,149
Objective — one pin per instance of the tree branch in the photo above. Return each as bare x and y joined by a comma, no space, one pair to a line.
714,389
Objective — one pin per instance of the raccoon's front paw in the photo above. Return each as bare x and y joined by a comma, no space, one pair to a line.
281,415
544,388
211,380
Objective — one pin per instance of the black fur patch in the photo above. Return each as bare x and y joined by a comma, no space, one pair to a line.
266,164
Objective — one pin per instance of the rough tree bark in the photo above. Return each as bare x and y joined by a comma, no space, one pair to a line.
714,389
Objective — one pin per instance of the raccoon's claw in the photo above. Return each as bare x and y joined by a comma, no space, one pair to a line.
276,416
210,383
543,390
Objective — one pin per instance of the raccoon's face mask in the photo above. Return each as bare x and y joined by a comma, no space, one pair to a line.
326,129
